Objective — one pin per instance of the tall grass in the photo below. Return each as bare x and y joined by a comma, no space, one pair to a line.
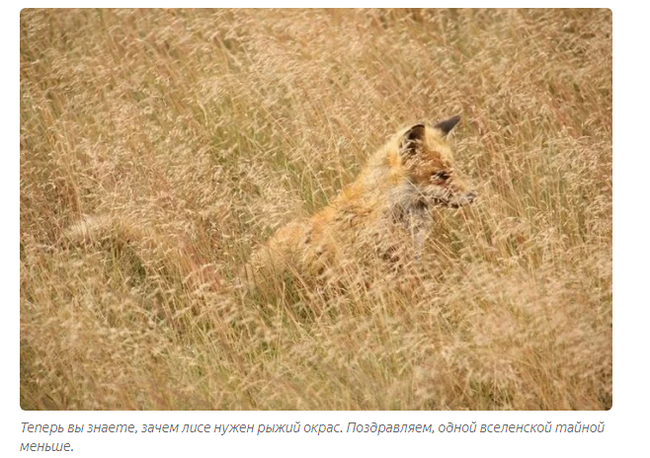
158,148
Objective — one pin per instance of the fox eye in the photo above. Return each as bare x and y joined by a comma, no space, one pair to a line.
441,175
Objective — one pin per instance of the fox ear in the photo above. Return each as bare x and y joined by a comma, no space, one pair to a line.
448,124
412,139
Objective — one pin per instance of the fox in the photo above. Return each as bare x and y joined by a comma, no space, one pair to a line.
385,213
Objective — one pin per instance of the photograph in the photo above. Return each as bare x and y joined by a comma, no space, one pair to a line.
316,210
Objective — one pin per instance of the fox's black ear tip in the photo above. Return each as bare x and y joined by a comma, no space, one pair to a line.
412,138
415,133
448,124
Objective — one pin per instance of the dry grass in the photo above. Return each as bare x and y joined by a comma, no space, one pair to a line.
158,148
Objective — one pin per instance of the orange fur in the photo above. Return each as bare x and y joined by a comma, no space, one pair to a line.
388,206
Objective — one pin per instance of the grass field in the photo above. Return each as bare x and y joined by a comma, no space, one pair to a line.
160,147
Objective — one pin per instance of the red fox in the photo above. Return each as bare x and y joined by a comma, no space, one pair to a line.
389,206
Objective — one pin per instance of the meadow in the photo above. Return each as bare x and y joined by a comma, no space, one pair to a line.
158,148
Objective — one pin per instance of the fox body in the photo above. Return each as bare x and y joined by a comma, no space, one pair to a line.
383,214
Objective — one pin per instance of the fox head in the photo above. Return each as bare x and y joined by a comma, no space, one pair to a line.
427,161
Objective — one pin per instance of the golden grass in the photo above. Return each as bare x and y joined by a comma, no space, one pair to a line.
158,148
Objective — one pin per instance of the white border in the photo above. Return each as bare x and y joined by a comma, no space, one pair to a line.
624,423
